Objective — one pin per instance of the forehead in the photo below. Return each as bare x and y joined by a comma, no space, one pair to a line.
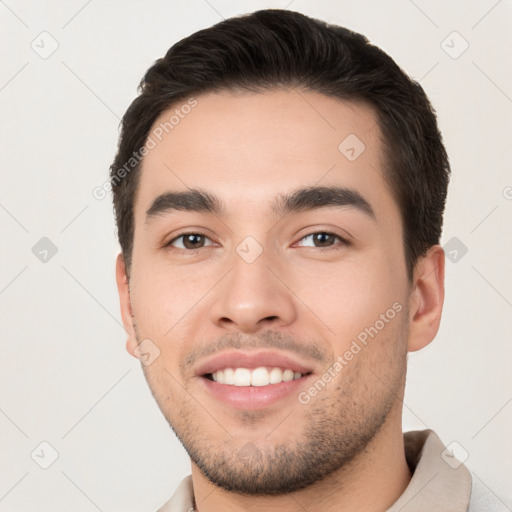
247,148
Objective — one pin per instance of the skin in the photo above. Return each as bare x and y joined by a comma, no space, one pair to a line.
343,450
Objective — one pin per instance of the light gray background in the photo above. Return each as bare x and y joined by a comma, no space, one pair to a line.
65,376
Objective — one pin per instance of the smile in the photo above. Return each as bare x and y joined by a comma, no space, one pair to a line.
261,376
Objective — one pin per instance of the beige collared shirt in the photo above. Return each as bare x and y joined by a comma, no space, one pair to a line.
439,482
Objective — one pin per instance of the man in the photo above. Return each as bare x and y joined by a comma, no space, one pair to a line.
279,190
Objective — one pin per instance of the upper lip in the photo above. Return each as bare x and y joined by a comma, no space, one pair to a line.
238,359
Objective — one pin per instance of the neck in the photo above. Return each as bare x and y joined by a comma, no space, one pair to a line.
373,481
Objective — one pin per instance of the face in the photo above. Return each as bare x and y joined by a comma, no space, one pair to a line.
267,241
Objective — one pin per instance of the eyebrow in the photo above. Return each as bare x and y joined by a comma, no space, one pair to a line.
312,198
192,200
309,198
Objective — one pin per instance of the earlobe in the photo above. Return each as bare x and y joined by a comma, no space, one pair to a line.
124,300
426,298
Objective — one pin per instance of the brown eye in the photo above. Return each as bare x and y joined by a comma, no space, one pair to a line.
190,241
322,239
193,241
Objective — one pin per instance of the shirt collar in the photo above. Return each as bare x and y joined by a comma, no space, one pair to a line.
439,481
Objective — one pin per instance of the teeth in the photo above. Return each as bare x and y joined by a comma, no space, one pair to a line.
229,376
242,377
261,376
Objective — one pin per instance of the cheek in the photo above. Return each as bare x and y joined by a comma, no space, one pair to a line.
163,297
347,299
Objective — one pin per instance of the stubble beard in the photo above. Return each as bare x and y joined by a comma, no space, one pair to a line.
338,425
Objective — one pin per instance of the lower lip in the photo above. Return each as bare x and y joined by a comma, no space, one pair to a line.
253,397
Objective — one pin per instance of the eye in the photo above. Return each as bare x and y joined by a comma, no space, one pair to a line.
322,239
190,241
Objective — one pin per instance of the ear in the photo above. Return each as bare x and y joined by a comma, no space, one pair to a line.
126,308
426,298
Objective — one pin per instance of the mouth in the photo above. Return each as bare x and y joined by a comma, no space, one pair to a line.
253,381
254,377
262,362
250,390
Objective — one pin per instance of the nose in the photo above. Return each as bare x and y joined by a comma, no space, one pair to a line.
252,296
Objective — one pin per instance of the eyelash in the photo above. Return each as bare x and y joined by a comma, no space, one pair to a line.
344,241
183,235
